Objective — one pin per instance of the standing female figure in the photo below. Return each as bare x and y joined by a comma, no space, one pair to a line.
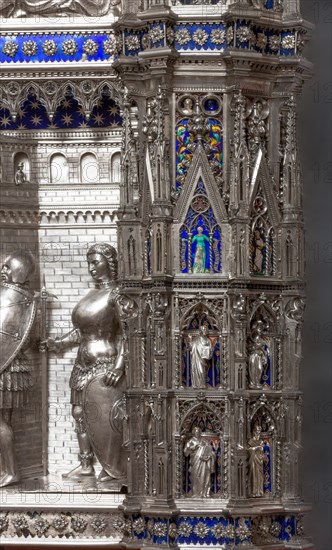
99,363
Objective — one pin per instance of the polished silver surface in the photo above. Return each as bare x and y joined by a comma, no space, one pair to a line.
185,365
17,315
99,363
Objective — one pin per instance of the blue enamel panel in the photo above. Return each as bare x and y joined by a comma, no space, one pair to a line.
78,44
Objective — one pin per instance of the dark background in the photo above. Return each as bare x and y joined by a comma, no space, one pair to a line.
315,129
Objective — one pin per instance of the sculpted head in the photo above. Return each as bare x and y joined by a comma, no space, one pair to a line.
257,430
18,267
204,330
103,263
197,432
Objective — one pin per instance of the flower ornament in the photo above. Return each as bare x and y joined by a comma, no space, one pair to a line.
200,36
110,46
160,529
79,524
242,531
69,47
274,42
99,525
133,42
184,529
288,42
139,526
156,34
118,524
41,526
30,48
218,531
60,523
229,531
90,47
201,530
3,523
49,47
275,529
10,48
170,35
261,41
20,524
229,35
182,36
218,36
243,34
300,42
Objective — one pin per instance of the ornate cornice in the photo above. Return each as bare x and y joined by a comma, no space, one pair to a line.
82,216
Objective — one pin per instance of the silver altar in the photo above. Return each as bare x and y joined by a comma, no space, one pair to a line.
190,400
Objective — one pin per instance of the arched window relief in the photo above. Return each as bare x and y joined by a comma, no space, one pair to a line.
116,168
89,168
21,168
59,170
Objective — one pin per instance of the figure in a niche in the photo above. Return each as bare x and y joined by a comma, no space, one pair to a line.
201,351
17,316
258,252
201,465
258,358
20,176
256,458
199,264
98,374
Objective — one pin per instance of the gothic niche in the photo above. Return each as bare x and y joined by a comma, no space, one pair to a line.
200,236
200,353
202,453
261,453
260,346
263,240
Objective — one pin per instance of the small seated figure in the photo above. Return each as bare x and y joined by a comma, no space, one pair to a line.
20,176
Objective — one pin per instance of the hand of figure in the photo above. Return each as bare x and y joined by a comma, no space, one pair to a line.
49,344
112,378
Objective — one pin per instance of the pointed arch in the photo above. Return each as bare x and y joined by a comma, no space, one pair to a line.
200,170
